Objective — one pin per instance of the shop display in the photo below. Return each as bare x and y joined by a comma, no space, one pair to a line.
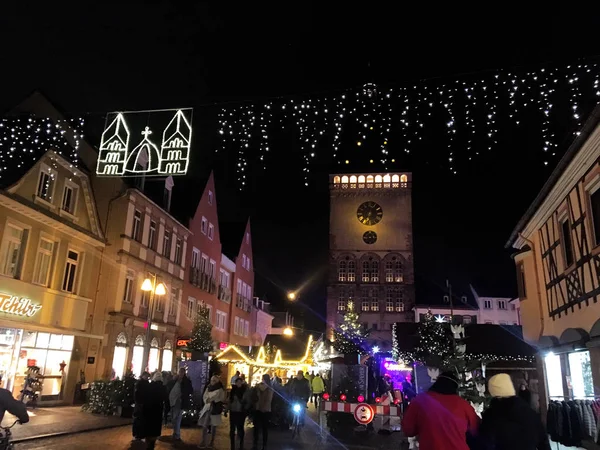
32,386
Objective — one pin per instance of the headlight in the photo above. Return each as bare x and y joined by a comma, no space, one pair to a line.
296,408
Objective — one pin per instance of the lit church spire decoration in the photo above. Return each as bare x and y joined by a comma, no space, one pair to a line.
145,157
175,147
114,145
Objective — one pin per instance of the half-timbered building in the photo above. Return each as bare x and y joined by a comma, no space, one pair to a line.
558,271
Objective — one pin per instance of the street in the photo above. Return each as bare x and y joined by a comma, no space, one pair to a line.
119,438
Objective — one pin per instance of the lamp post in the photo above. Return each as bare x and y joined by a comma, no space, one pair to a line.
150,285
291,296
288,331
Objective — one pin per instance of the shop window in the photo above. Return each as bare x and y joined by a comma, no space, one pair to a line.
167,357
153,356
120,356
43,262
12,248
554,375
70,274
138,356
581,375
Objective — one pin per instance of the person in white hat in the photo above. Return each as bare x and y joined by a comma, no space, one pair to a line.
509,423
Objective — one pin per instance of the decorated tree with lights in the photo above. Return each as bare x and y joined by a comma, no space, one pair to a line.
349,336
434,346
201,340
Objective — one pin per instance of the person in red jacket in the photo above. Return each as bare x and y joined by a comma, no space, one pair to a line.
440,418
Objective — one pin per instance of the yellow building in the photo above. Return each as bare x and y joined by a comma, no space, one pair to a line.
558,271
49,262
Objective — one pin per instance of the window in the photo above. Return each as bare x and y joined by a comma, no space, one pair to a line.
374,300
365,305
178,250
204,225
463,299
210,197
389,272
68,200
399,301
190,307
152,235
595,205
342,271
487,304
341,304
174,300
70,274
244,261
248,238
136,229
159,303
581,375
224,281
145,299
167,244
45,187
374,327
466,319
221,321
351,271
446,299
398,272
375,271
195,258
204,263
389,300
399,307
501,304
14,239
246,328
129,282
521,280
565,228
211,231
236,326
513,307
209,307
365,270
43,262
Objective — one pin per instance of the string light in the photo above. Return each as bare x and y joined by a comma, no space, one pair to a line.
468,108
24,140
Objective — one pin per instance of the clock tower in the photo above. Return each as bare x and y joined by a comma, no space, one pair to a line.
370,250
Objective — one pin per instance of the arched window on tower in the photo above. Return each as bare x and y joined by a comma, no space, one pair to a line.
375,271
351,271
378,181
342,270
361,178
398,271
336,180
345,179
395,181
366,269
370,179
352,178
403,179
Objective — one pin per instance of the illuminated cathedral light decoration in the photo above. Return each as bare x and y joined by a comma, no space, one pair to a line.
144,158
117,158
113,148
175,147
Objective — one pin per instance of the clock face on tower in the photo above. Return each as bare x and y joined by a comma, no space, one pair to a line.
369,213
370,237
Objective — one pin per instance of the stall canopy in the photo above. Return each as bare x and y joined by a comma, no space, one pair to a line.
492,344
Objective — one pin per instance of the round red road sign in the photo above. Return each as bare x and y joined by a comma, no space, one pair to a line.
364,413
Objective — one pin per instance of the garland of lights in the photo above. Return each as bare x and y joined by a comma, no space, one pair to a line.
397,118
24,140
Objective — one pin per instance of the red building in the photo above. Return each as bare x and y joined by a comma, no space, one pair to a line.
223,285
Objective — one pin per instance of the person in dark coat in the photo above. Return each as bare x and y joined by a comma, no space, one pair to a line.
138,394
238,406
510,423
525,393
153,400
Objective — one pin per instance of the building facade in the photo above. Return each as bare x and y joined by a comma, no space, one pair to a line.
261,322
371,260
558,271
50,257
243,293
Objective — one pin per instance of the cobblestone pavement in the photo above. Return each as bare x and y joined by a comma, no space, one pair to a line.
120,439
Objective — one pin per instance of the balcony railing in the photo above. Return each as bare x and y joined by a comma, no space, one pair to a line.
224,294
203,280
243,303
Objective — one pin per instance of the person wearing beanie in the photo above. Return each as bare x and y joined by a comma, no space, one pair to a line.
440,417
509,423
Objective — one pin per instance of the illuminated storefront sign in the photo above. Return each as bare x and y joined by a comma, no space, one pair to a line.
19,306
393,366
183,342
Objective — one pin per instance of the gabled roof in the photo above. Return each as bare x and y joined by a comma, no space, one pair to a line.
588,128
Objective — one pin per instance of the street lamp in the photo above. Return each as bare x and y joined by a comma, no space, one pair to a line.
287,331
291,296
150,285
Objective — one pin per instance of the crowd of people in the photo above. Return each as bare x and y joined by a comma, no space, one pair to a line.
159,397
441,419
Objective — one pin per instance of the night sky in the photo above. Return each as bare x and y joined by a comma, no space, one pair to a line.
90,58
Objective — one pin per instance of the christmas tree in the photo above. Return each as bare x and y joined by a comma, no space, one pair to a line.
202,332
434,347
349,337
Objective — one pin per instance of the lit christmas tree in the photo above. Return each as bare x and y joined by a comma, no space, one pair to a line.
349,337
434,347
202,332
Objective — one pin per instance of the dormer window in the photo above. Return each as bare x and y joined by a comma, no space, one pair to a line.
446,299
45,187
463,299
